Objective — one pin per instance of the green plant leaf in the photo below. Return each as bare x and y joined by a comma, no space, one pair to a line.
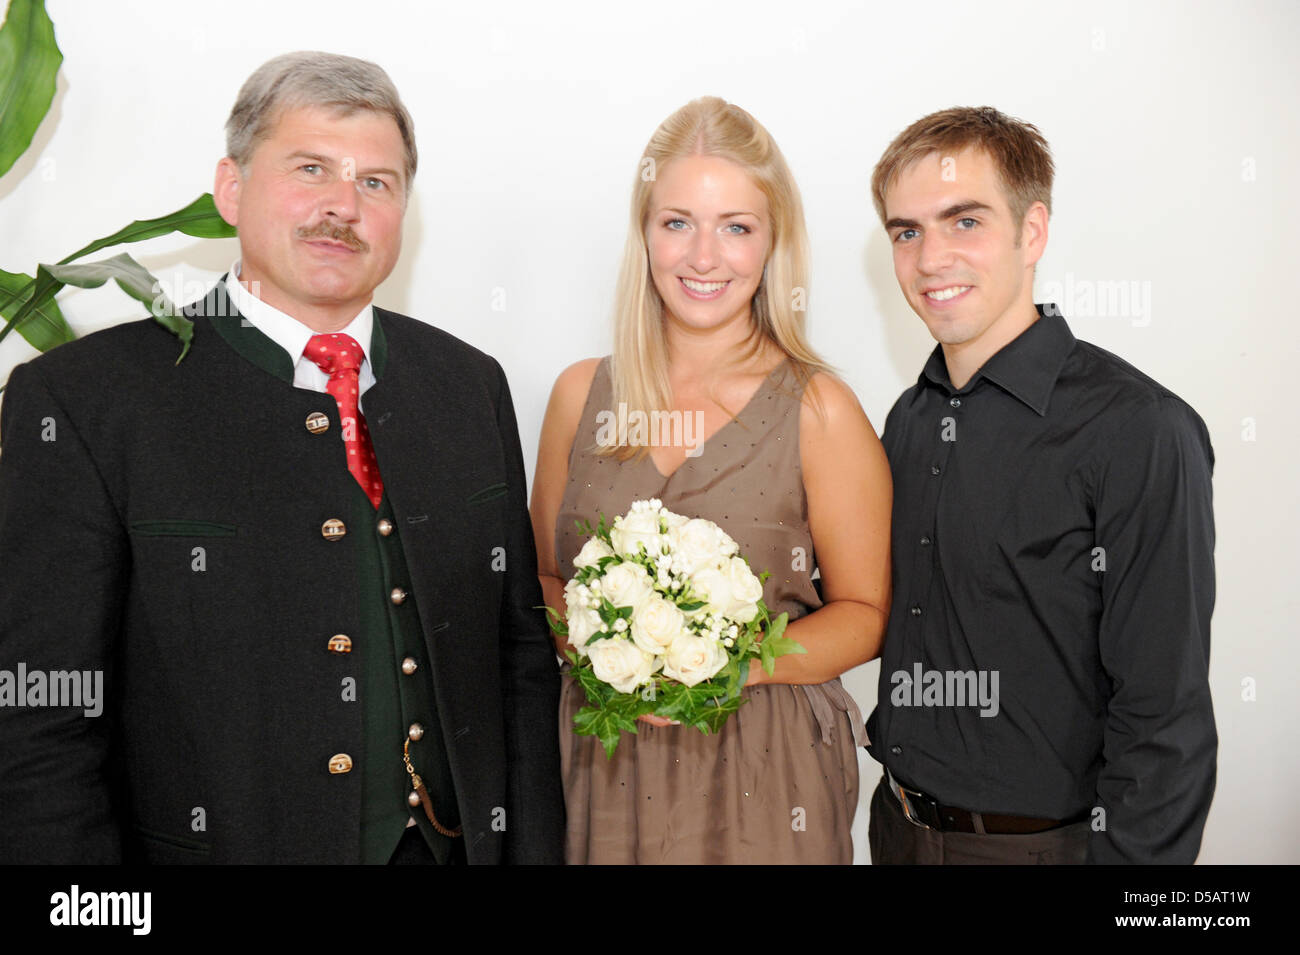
686,703
133,278
199,219
731,678
598,692
742,676
776,644
29,63
712,718
559,623
606,723
46,327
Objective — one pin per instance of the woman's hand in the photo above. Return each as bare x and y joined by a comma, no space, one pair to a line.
657,720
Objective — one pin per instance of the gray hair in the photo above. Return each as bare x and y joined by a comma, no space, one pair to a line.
328,80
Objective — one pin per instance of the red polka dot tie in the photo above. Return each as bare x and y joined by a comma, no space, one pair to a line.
339,356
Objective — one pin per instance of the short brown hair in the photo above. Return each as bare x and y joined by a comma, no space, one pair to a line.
1021,154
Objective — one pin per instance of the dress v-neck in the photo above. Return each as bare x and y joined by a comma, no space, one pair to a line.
735,419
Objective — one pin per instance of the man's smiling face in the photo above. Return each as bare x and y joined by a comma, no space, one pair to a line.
963,261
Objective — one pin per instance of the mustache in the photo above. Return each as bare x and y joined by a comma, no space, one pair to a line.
335,233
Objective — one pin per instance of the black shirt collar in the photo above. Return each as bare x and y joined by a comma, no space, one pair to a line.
1026,367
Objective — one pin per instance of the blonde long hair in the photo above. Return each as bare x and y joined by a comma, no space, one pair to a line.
710,126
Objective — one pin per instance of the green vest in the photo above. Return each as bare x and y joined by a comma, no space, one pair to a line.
389,642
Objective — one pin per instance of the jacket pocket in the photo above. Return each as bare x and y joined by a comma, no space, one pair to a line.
156,847
183,528
489,493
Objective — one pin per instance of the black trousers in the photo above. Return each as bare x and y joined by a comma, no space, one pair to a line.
896,841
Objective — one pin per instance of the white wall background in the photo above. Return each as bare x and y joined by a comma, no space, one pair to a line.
1173,126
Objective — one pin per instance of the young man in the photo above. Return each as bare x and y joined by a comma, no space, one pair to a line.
1043,687
299,562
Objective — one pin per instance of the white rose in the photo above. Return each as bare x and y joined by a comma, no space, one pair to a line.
621,663
638,527
626,584
591,553
583,625
673,519
713,585
746,591
582,621
656,624
575,593
696,544
693,658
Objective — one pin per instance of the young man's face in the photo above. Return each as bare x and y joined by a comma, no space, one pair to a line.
319,210
959,255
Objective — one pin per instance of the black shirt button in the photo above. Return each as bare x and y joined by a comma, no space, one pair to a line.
916,610
896,750
955,402
934,469
925,542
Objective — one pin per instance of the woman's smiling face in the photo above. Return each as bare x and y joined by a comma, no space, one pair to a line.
708,234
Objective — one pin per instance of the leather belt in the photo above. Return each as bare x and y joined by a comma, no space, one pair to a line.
925,811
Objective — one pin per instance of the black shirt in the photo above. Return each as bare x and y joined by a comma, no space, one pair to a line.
1053,571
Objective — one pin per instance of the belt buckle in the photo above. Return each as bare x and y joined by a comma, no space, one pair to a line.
922,800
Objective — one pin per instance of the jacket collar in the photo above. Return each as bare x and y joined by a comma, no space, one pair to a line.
257,347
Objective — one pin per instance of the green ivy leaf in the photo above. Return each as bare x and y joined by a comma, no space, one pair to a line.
712,718
605,723
742,676
687,703
776,644
598,692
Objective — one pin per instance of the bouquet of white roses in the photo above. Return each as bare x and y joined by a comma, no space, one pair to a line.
663,617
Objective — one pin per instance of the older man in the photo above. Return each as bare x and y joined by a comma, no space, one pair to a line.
300,558
1043,688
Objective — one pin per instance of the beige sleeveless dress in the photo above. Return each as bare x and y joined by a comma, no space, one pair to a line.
779,784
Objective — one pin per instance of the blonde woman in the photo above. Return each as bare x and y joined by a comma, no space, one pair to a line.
760,438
